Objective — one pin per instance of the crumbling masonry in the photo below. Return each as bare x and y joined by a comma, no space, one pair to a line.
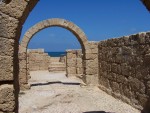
123,64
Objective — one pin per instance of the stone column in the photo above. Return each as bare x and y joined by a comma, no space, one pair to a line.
91,63
71,63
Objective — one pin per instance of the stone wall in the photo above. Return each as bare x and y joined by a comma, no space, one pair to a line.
38,59
12,16
74,65
91,63
124,68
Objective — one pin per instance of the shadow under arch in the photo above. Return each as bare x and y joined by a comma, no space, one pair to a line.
54,22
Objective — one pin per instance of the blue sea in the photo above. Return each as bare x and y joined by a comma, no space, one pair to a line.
56,54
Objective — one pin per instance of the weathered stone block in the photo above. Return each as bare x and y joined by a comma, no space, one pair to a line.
105,82
115,87
125,69
6,47
6,69
91,71
121,79
7,98
137,85
90,56
8,26
92,79
71,70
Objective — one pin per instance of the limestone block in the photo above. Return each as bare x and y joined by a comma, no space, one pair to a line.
114,68
71,70
92,63
141,38
14,8
7,98
112,76
95,50
121,79
115,87
88,51
79,70
91,71
92,79
22,56
8,26
125,69
6,47
24,44
79,54
23,78
79,62
38,27
71,63
22,64
71,55
93,44
137,85
24,87
105,82
22,49
125,50
6,69
125,40
127,91
90,56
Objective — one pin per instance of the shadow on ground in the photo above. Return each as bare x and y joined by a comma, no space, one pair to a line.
56,82
97,112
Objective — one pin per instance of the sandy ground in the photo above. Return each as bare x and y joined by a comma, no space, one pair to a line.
54,93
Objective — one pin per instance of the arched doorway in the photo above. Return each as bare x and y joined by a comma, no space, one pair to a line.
80,35
13,15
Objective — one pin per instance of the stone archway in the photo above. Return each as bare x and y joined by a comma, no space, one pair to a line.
13,15
80,35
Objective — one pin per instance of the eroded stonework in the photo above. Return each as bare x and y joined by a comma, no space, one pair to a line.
129,64
74,65
38,59
124,68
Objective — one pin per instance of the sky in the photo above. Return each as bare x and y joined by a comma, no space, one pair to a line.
99,19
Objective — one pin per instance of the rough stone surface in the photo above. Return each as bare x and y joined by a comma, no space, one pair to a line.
38,59
7,99
6,69
124,68
80,35
12,17
74,65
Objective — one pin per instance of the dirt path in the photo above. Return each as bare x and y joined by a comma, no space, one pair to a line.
54,93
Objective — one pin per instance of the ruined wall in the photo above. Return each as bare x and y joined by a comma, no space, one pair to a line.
91,63
13,13
38,60
124,68
74,66
12,16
